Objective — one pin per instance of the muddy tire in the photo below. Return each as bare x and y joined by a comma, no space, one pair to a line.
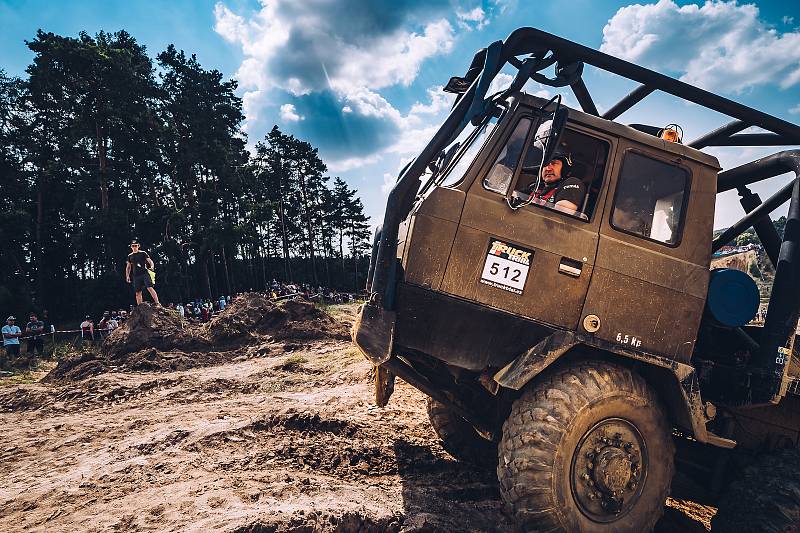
459,438
766,498
586,448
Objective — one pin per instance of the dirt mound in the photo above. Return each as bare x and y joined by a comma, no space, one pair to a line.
155,339
151,327
251,314
152,339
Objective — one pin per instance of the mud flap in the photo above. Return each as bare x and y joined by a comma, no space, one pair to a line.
384,385
373,332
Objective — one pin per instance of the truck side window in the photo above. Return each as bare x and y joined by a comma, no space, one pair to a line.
650,199
588,155
499,177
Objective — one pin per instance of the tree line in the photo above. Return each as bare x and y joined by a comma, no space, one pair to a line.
99,144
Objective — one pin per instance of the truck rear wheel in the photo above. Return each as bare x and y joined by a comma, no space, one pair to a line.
766,498
459,438
586,448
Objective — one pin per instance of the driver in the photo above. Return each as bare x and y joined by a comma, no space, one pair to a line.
558,186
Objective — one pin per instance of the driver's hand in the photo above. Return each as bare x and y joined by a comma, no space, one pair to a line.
128,280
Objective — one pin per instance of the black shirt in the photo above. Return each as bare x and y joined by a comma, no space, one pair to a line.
37,328
570,189
139,262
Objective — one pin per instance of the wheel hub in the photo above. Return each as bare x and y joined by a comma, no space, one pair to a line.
609,469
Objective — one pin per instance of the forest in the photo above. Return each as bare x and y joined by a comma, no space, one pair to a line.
100,144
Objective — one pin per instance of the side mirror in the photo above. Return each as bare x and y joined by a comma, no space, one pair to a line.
457,85
549,133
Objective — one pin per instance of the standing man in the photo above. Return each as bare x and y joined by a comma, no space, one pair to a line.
87,329
11,335
139,266
35,328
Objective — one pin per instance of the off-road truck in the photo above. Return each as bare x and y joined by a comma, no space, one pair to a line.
590,353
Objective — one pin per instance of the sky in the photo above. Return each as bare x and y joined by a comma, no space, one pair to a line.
361,80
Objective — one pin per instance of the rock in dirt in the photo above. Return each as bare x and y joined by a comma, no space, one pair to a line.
155,339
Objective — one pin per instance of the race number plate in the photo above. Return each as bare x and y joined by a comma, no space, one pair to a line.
506,266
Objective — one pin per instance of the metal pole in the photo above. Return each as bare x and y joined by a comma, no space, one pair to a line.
723,131
745,222
633,98
764,227
784,303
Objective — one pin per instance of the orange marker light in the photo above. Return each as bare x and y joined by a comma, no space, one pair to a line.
670,135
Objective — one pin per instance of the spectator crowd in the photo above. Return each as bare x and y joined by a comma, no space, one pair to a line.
38,329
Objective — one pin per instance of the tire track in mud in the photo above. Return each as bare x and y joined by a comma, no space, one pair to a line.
89,394
274,441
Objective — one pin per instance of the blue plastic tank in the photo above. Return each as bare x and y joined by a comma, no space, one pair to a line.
733,297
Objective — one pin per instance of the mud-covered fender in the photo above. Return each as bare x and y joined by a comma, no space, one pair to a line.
676,383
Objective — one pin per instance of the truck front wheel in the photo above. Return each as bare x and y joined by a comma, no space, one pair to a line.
586,448
459,438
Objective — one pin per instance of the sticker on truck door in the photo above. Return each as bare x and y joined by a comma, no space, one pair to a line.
506,266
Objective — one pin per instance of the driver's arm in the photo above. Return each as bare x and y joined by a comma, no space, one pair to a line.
570,194
567,204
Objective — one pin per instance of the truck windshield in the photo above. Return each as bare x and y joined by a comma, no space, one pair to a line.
465,147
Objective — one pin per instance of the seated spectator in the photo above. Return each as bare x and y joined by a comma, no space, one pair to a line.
180,309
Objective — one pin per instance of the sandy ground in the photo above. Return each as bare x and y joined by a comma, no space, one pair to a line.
270,441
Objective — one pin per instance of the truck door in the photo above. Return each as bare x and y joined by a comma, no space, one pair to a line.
651,272
535,261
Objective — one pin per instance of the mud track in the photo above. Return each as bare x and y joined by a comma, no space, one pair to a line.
267,440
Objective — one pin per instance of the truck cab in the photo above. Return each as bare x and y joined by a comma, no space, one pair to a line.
463,245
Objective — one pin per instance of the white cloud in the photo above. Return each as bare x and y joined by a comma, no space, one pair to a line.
395,59
388,182
412,140
289,113
304,47
370,104
795,110
787,19
721,46
500,82
351,50
440,101
474,18
343,165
